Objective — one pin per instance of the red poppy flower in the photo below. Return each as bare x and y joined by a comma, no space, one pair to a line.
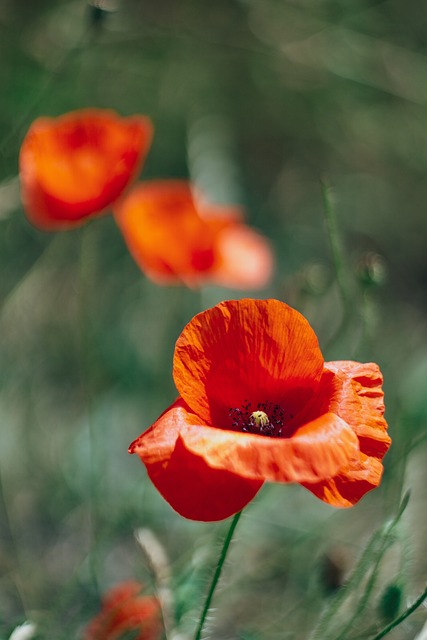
125,610
258,403
77,165
175,237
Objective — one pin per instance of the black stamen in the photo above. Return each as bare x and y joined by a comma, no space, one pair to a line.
266,420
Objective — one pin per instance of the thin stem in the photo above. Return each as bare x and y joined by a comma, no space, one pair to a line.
47,255
7,527
338,261
380,541
402,616
359,609
386,541
217,574
336,248
86,287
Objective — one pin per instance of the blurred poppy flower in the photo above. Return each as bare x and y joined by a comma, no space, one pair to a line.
258,403
75,166
177,238
124,610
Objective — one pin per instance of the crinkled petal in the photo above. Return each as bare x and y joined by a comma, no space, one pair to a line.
350,485
207,473
255,350
353,392
315,451
193,488
77,165
360,403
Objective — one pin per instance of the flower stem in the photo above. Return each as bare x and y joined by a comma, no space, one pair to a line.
217,574
46,257
402,616
339,262
86,287
372,556
10,539
336,248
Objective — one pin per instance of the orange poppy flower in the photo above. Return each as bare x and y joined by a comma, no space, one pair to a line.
75,166
125,610
176,238
258,403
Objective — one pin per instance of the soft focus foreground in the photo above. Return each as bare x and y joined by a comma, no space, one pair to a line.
254,102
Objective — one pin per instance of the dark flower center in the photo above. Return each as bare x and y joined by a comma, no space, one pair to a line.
266,419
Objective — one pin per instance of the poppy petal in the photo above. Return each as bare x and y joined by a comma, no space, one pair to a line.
176,236
140,615
244,258
354,392
120,593
360,403
316,451
207,473
77,165
350,485
168,240
123,610
247,350
193,488
198,492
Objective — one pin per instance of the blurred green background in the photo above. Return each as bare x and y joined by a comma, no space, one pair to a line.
257,101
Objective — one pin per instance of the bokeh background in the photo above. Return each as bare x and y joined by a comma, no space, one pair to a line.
258,102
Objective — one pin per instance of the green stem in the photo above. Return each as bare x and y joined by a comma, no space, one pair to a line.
402,616
217,574
48,255
374,551
336,248
386,540
8,530
86,288
339,263
361,606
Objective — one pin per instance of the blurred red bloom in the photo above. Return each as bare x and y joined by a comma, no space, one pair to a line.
175,237
75,166
258,403
125,610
